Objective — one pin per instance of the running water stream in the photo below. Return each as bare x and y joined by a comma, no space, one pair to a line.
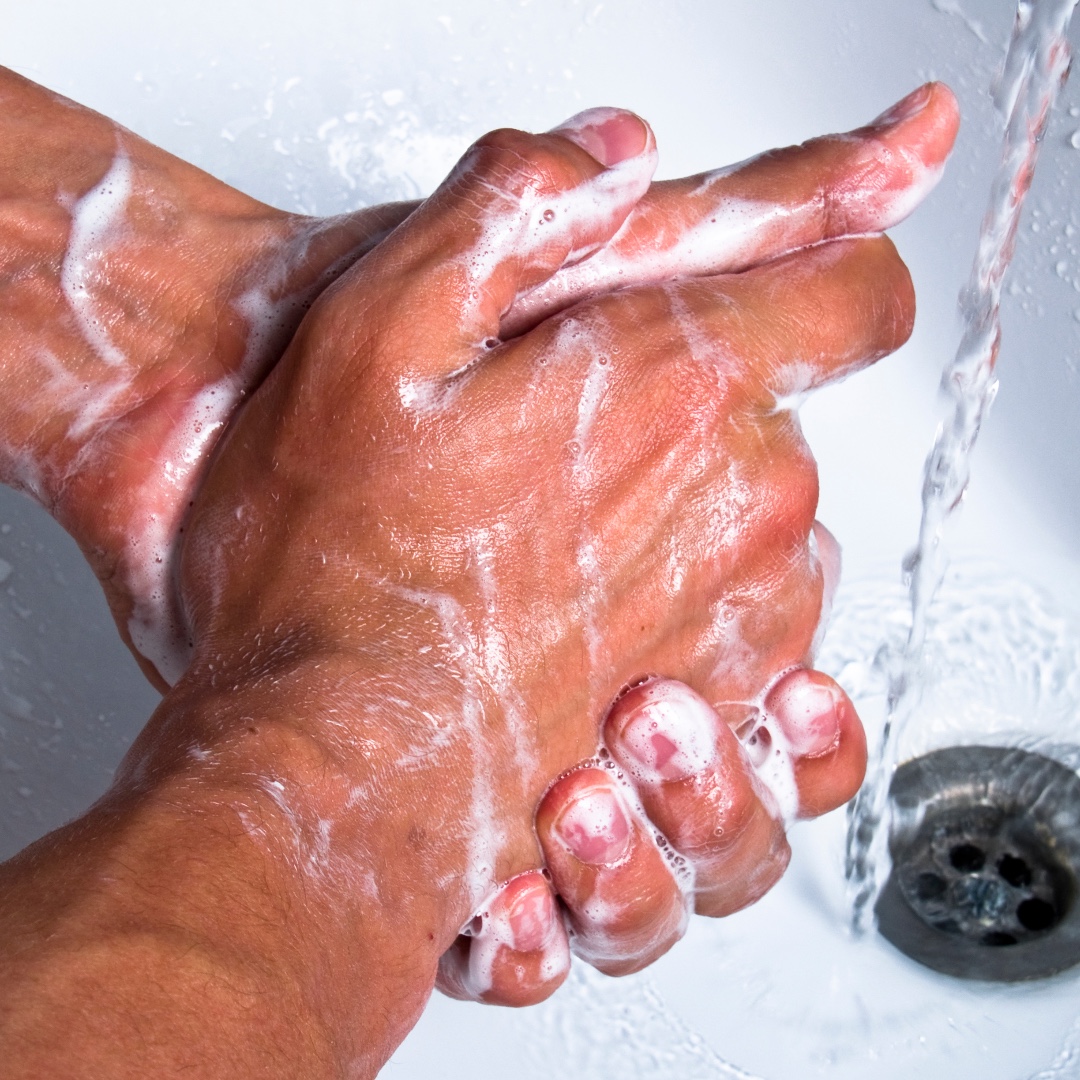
1036,66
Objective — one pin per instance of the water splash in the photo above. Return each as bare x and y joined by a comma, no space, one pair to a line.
633,1032
1036,65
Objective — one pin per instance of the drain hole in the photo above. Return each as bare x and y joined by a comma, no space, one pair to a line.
1015,871
930,887
967,858
1036,914
985,881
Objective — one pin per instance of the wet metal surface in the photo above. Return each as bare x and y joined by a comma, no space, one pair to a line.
986,859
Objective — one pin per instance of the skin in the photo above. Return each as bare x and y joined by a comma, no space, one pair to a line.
262,777
99,445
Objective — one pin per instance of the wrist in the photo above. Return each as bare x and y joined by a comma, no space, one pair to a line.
310,767
243,848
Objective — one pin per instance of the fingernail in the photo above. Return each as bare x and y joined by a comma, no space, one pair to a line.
670,733
905,108
594,827
808,712
609,135
532,918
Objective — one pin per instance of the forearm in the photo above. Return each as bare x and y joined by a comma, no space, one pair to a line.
141,301
110,970
129,275
236,906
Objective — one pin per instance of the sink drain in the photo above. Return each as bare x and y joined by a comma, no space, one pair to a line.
985,845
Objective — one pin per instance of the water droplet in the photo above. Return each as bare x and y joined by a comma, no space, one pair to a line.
549,215
1074,139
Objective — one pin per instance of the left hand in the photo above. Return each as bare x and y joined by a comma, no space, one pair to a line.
142,300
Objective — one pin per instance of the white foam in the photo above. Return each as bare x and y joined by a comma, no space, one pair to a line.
776,771
495,657
484,836
592,393
95,220
721,242
158,626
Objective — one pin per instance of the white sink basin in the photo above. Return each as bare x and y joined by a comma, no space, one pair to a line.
324,105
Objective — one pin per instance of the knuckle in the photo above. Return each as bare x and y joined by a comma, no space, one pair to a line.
517,163
795,495
779,518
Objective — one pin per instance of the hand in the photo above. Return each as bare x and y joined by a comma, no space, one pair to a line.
126,358
746,763
528,527
339,779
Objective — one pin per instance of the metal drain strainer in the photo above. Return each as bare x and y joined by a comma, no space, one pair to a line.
985,846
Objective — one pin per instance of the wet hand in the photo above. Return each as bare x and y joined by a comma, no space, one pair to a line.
150,299
518,529
141,301
705,779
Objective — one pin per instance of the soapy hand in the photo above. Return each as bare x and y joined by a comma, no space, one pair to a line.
137,432
710,780
150,299
390,669
518,529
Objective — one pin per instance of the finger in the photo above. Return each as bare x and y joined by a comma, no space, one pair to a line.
803,320
513,210
699,789
825,547
729,220
516,951
829,556
823,736
624,906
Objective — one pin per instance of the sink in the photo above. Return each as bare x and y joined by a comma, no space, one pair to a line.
328,105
